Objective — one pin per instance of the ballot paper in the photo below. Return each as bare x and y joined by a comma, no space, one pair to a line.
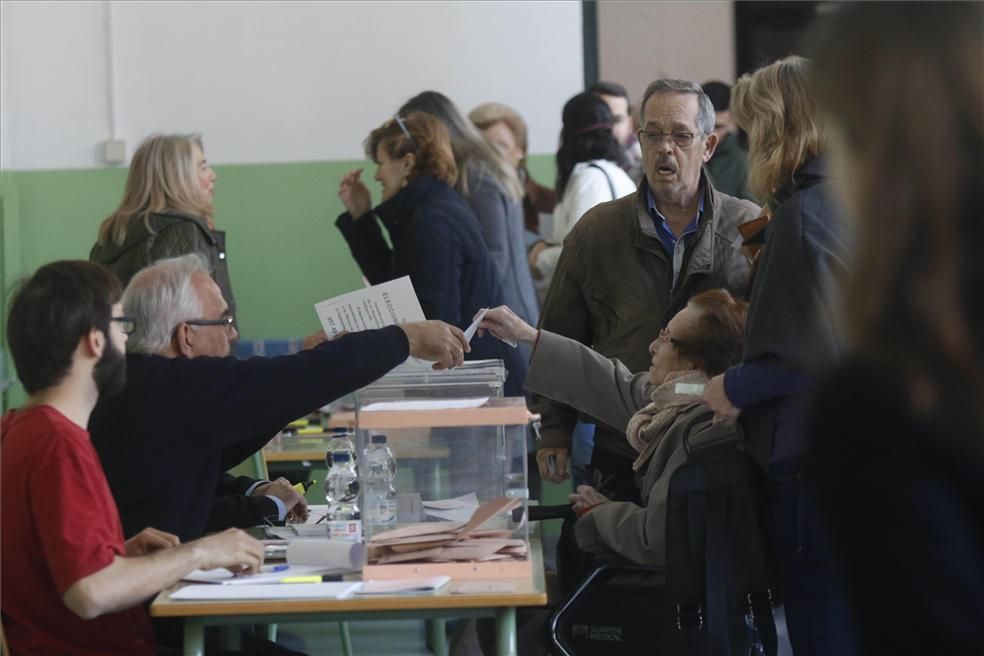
386,304
451,541
458,509
470,331
473,328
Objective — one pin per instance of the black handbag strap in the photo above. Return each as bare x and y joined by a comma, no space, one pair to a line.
611,187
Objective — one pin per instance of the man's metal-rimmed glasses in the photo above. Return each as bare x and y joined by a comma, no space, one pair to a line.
680,139
127,324
225,322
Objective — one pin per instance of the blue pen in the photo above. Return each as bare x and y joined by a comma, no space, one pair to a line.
280,568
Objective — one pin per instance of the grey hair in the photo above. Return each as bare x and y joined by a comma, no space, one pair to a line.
159,298
705,108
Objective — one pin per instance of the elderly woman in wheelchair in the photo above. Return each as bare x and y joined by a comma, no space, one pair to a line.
699,342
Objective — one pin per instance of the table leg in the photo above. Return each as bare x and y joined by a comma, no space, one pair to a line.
194,636
505,632
437,635
231,638
343,631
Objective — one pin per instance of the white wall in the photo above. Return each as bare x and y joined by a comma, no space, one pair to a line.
271,82
639,42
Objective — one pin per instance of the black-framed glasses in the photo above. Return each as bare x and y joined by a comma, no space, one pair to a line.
225,322
654,138
127,324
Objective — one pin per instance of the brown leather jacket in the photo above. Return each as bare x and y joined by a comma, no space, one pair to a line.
612,289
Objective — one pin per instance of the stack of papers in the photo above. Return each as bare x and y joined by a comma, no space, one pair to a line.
449,541
282,591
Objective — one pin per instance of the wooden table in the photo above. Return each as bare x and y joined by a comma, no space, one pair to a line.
435,608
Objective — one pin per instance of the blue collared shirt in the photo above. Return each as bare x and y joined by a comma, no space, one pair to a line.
674,245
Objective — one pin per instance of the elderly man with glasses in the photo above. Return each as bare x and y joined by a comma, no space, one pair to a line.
631,264
189,412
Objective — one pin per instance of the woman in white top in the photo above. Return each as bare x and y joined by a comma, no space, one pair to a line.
588,173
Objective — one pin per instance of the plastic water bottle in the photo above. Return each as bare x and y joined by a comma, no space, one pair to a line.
379,470
344,520
341,440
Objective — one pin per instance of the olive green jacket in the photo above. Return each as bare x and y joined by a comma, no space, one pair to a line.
166,235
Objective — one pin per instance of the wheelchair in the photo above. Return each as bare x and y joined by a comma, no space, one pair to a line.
716,594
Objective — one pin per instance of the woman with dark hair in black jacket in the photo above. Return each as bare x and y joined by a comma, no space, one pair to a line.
436,239
588,173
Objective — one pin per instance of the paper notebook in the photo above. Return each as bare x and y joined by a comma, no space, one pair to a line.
279,591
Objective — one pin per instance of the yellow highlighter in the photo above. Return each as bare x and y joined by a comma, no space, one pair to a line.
302,488
319,578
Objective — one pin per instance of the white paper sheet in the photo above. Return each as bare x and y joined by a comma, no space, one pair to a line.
470,499
470,332
458,509
473,328
426,404
403,586
382,305
277,591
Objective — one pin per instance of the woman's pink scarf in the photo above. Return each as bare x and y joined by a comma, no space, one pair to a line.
646,428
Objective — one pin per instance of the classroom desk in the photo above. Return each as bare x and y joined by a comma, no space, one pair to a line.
443,605
413,450
312,447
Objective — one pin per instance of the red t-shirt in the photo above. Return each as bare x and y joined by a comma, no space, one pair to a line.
59,525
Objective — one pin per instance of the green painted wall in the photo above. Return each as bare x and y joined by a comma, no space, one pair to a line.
285,254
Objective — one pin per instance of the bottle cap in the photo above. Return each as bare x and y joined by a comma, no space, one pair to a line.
340,456
339,430
378,439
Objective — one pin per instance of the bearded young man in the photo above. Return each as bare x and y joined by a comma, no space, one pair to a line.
70,584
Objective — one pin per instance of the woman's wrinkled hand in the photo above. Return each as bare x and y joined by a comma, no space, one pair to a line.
504,324
585,497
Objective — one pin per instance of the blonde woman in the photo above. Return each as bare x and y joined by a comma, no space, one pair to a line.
789,335
166,211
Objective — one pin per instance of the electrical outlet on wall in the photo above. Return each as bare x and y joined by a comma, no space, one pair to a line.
114,151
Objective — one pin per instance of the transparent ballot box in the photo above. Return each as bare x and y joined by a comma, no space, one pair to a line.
460,474
414,380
